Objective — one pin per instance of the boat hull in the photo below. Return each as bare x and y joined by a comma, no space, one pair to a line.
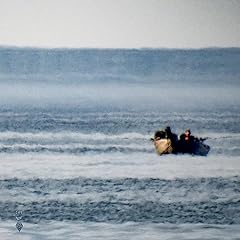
164,146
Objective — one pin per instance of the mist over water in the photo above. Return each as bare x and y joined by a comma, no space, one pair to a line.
75,153
168,79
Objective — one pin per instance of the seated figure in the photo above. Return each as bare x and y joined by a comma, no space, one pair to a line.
186,144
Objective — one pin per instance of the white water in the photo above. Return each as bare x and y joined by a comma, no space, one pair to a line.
116,165
126,231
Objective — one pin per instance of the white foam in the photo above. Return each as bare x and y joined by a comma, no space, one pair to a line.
69,135
109,231
74,147
116,165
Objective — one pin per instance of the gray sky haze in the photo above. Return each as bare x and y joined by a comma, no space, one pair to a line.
120,23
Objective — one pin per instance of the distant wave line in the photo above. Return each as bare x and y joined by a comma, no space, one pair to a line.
73,135
72,149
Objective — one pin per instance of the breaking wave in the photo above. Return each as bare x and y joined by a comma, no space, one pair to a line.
77,143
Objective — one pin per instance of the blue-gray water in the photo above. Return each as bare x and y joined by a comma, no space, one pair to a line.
75,154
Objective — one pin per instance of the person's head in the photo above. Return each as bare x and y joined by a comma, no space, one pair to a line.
159,134
188,132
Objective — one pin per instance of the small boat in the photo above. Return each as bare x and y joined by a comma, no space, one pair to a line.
196,147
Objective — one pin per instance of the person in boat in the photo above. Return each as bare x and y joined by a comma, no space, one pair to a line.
159,135
186,136
186,142
162,144
172,136
166,142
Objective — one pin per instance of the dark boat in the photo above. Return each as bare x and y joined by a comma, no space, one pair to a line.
196,147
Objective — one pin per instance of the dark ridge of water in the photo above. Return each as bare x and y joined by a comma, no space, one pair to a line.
192,200
147,211
99,185
217,151
73,150
117,122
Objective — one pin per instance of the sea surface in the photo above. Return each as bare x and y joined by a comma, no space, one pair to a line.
75,150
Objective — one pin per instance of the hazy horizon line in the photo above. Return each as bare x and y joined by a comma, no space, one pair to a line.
114,48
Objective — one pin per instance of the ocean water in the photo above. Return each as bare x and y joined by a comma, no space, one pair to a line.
75,150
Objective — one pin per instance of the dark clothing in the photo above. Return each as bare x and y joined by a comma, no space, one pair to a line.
183,136
173,137
186,143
